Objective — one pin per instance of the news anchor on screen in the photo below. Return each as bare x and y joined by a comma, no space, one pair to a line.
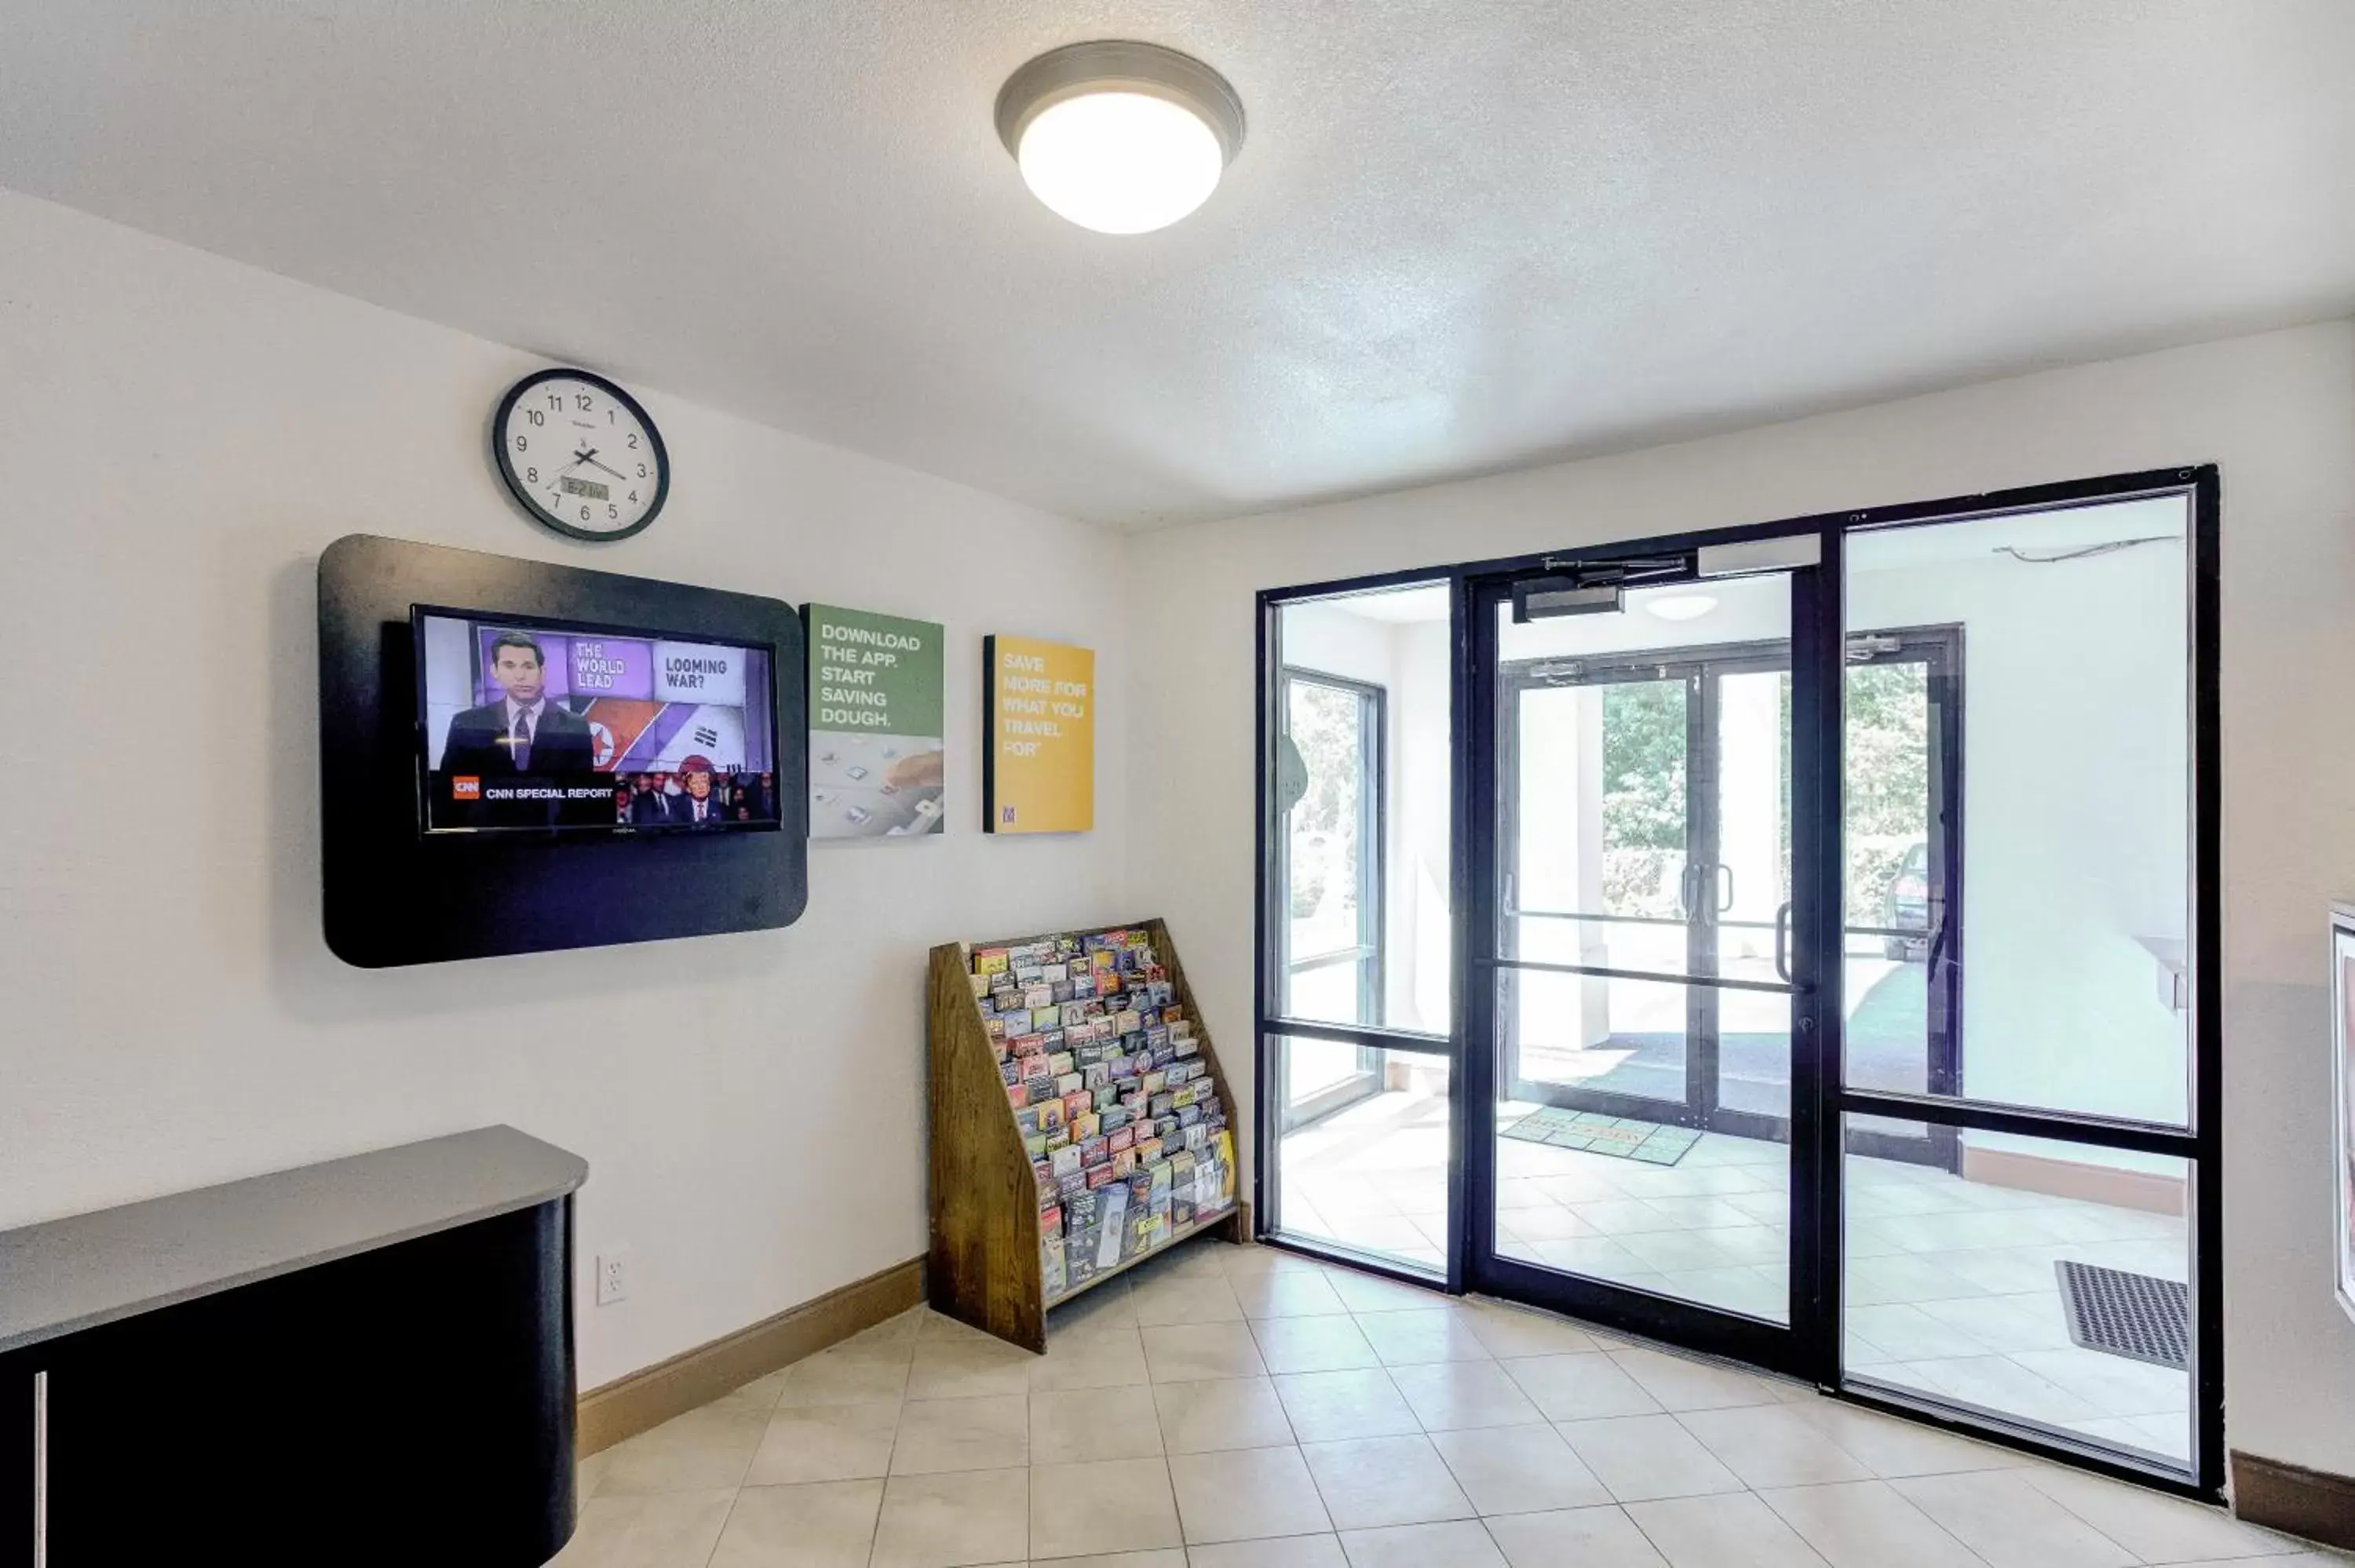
522,732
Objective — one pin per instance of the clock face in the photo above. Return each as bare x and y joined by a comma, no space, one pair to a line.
580,454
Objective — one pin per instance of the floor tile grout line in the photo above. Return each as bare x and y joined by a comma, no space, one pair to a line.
1886,1483
2062,1504
1357,1318
736,1493
899,1424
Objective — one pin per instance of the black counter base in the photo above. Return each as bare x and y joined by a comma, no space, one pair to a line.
413,1403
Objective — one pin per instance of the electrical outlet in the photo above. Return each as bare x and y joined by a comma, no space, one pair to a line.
613,1277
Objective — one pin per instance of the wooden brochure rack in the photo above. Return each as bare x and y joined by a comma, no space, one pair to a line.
986,1264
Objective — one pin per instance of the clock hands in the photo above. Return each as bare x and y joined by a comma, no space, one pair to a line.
589,456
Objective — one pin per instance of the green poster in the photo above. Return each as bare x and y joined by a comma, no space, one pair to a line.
877,710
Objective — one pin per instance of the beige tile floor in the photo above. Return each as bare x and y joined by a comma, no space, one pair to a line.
1950,1286
1242,1407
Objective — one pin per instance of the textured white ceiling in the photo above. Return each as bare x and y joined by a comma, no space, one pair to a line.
1461,237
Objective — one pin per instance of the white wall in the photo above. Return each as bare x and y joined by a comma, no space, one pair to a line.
2277,411
180,435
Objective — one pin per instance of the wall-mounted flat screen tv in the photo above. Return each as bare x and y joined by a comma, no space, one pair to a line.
532,726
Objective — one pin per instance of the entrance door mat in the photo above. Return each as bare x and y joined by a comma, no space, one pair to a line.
1622,1136
2137,1316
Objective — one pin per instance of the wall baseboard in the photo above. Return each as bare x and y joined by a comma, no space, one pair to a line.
645,1399
2315,1504
2145,1189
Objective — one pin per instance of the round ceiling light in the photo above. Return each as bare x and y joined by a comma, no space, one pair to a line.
1682,605
1122,138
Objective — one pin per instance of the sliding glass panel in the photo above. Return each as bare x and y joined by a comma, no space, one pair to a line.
2019,825
1362,693
2042,1282
1365,1170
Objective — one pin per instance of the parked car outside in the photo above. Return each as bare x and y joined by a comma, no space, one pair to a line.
1907,908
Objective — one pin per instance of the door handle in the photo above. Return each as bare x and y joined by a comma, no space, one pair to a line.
1782,943
1725,899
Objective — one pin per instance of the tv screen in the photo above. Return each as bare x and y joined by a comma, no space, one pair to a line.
527,725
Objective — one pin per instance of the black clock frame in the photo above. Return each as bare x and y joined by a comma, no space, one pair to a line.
523,496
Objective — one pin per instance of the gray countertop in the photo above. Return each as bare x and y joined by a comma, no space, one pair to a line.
68,1274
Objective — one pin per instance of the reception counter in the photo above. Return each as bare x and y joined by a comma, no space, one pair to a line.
364,1361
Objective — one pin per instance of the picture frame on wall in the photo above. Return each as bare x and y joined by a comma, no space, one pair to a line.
2342,1107
878,751
1038,740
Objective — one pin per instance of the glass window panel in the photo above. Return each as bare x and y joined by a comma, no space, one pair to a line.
1602,1169
1958,1285
1595,1037
1332,849
1363,777
1749,891
2018,780
1598,826
1363,1152
1594,823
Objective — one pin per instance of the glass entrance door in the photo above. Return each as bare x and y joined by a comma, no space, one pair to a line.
1643,828
1643,990
1564,727
1688,726
1659,1020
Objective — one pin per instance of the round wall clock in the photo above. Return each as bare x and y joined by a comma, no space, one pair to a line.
581,455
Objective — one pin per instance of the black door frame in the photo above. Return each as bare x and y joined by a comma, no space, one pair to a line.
1788,1346
1811,1348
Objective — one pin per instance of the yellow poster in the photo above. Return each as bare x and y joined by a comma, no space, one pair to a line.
1038,771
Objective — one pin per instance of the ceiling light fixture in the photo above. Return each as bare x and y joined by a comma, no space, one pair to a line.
1682,605
1122,138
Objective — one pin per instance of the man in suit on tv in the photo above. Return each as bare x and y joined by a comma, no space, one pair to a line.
522,732
700,807
649,807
